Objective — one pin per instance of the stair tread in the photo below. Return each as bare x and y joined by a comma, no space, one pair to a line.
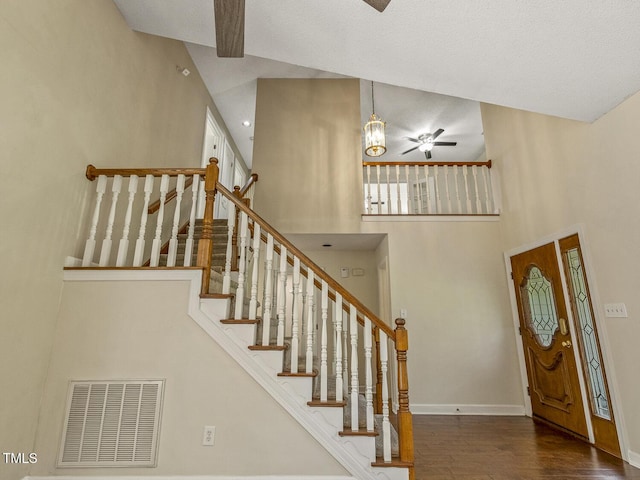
297,374
329,403
267,347
347,432
241,321
395,462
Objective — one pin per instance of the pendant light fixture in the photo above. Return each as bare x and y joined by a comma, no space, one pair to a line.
374,141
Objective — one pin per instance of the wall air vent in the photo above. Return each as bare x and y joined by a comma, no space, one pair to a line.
111,424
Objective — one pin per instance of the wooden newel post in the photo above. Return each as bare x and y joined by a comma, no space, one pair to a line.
205,245
405,422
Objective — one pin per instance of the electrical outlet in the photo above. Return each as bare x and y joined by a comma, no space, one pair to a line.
208,436
615,310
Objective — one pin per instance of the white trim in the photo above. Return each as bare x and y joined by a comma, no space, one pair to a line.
189,477
634,459
108,275
451,409
430,218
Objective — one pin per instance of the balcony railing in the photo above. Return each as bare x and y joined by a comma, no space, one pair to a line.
428,188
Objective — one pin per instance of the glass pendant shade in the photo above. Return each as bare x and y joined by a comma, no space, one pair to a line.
374,140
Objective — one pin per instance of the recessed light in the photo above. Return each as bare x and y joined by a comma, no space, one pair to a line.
246,123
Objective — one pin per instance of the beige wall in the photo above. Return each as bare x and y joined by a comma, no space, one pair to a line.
450,278
78,87
558,173
307,153
147,334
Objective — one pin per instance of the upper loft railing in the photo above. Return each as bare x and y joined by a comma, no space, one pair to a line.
330,330
428,188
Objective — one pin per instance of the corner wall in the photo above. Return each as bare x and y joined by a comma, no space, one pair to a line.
78,87
558,173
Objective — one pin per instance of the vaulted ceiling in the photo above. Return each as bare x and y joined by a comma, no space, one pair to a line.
575,59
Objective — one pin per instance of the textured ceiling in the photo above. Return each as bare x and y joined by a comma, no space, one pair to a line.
575,59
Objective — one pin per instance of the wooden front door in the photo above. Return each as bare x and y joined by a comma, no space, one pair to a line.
549,353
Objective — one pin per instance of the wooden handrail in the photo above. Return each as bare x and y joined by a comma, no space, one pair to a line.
155,206
252,179
428,164
348,297
92,172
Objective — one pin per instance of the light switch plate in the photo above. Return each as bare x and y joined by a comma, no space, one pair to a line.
618,310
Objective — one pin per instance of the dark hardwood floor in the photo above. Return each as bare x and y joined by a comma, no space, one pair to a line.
506,448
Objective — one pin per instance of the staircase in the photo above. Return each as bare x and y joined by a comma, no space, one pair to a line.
319,352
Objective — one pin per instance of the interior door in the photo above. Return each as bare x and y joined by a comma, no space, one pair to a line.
554,386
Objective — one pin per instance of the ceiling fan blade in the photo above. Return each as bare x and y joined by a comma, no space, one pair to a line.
413,139
229,18
410,150
437,133
445,144
428,154
379,5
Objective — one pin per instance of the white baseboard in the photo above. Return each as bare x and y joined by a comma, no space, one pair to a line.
450,409
191,477
634,459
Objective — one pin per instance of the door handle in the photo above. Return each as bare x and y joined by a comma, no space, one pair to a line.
566,344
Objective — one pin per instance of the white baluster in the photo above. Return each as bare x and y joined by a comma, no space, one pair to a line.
487,200
428,190
436,184
345,353
398,196
446,184
407,174
188,247
388,191
386,426
157,241
282,295
241,265
123,247
379,212
337,322
139,252
105,252
353,331
474,170
324,299
456,177
418,189
253,303
295,322
231,224
309,305
466,188
368,355
268,291
369,189
90,245
173,242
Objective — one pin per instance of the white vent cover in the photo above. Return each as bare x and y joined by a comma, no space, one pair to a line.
111,424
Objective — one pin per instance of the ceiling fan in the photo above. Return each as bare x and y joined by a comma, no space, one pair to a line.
426,142
229,19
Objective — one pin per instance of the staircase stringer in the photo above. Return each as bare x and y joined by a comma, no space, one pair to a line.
344,449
